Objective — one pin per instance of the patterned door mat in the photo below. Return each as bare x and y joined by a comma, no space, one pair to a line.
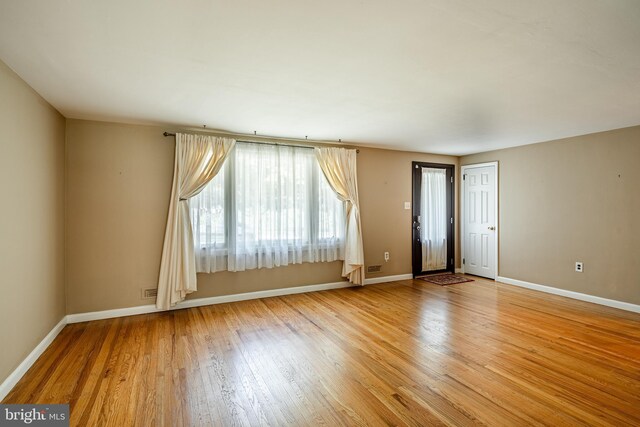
445,279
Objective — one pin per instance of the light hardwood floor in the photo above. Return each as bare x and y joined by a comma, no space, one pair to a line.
403,353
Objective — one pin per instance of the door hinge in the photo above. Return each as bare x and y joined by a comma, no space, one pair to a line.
463,260
452,180
451,261
464,176
451,220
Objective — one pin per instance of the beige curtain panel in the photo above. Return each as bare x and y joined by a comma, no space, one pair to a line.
339,167
198,159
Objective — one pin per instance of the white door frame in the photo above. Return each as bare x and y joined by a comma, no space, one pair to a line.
462,207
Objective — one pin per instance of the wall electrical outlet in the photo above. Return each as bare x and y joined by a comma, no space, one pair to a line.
579,267
386,256
407,206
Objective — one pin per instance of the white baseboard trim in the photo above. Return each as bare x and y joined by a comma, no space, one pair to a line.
23,367
262,294
198,302
384,279
570,294
109,314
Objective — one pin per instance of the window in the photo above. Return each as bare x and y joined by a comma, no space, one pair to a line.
269,205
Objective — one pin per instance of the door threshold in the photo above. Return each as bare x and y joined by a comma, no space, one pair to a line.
478,276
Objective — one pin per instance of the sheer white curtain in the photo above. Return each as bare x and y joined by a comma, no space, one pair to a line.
269,206
433,224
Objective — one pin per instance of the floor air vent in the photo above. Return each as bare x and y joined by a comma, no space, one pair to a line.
374,269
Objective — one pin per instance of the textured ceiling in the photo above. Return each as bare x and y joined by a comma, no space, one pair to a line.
449,76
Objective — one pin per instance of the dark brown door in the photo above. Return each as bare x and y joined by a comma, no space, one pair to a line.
443,216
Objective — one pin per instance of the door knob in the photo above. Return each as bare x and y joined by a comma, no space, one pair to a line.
491,228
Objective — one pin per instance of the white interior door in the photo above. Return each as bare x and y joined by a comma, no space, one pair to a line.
480,220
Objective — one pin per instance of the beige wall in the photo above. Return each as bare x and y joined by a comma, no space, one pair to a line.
119,179
384,184
31,219
575,199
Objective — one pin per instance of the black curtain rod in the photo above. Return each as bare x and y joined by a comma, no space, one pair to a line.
264,143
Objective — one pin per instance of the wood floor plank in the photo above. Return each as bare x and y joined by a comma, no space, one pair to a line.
403,353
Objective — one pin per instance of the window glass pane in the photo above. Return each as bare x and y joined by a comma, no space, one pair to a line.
208,213
331,213
268,206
